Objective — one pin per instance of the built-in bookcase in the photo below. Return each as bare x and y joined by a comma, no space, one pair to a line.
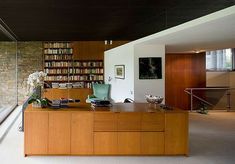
62,68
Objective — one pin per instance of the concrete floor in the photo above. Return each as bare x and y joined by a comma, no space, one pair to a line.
212,141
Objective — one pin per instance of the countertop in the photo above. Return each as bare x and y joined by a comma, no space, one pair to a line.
116,107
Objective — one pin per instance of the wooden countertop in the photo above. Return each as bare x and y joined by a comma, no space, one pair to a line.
117,107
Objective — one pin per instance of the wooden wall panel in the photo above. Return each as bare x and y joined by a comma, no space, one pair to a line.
115,44
183,71
88,50
92,50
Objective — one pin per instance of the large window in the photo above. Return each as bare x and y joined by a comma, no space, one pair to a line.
8,73
220,60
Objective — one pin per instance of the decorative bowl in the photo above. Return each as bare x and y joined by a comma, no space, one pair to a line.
153,99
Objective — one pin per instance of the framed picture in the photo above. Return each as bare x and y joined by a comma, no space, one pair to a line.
119,71
150,68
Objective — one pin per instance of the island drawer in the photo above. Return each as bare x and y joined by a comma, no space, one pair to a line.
105,122
129,121
152,122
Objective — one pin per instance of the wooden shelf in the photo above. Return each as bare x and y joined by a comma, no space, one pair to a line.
57,48
50,60
63,74
68,81
59,54
58,67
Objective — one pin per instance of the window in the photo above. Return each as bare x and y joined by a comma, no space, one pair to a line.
220,60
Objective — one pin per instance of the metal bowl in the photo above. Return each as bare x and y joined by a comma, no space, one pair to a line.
153,99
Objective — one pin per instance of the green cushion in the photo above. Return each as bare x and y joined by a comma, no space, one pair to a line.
101,91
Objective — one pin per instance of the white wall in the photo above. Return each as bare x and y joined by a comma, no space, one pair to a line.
120,88
222,79
217,79
150,86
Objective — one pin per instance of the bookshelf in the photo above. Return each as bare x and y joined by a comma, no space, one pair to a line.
60,66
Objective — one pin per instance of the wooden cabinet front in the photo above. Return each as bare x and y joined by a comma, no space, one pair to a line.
152,122
129,143
152,143
59,133
82,133
105,143
129,121
36,133
105,121
176,133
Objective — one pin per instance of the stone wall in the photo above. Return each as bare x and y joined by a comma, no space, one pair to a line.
30,59
7,73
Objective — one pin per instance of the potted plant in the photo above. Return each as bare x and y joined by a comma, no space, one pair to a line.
35,87
38,102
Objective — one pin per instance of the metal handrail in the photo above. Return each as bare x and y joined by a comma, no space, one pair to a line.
190,92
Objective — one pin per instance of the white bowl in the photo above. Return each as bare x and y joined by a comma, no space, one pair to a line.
153,99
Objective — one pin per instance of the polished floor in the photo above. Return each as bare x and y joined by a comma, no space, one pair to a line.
212,141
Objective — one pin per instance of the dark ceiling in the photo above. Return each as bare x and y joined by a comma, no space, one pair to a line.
41,20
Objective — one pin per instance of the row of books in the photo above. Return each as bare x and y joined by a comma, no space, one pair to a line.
73,84
58,71
75,77
58,64
89,70
58,57
57,45
58,78
88,64
76,71
58,51
87,77
68,63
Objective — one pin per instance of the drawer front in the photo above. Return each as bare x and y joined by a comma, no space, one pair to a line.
152,122
105,122
129,122
105,143
152,143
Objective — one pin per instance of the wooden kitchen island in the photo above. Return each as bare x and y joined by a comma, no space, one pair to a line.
123,129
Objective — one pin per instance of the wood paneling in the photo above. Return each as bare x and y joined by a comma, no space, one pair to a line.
73,93
82,133
36,133
129,143
115,44
54,93
152,143
88,50
176,133
59,133
152,122
129,121
105,122
93,50
73,131
183,71
80,93
105,143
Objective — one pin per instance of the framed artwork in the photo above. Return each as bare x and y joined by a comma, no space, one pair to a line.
119,71
150,68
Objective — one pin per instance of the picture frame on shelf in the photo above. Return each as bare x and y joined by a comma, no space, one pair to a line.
119,71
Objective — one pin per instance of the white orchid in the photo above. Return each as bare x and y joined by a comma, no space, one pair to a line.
35,79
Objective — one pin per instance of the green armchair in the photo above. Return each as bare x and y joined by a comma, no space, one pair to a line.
100,92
